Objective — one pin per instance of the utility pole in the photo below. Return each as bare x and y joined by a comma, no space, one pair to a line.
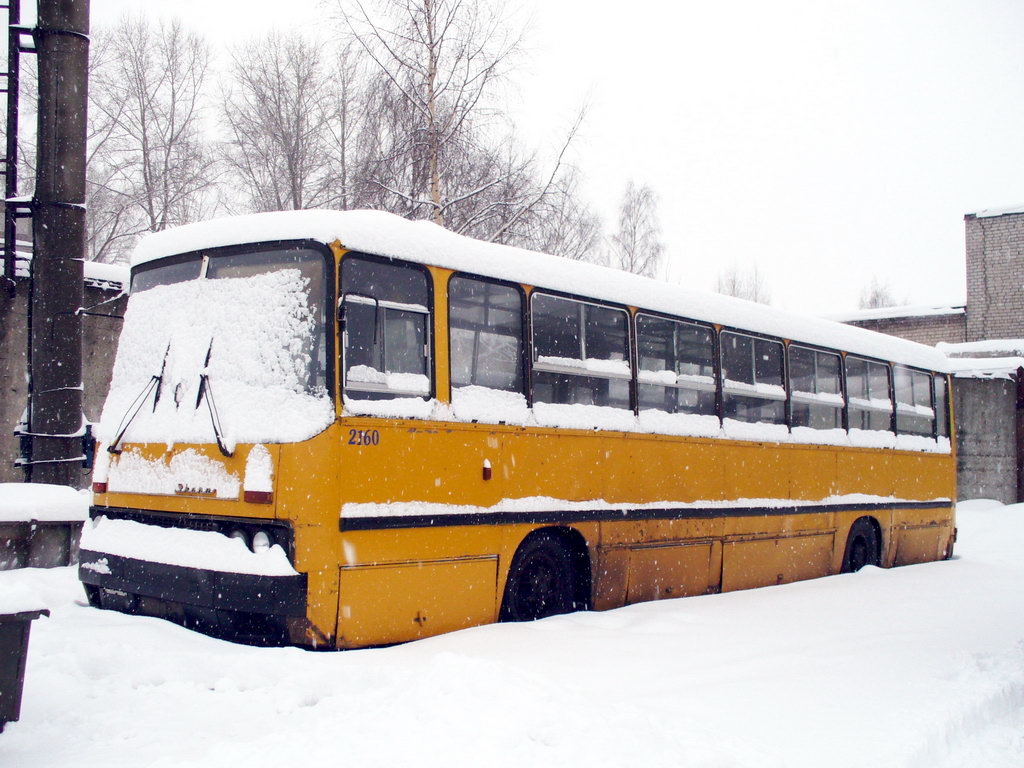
55,420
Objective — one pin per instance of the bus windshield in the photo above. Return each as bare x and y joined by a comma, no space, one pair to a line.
248,325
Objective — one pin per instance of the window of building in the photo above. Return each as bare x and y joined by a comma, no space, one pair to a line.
752,379
485,322
914,412
815,390
870,399
386,326
676,371
580,352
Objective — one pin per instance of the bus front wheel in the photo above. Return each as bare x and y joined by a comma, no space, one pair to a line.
861,546
540,580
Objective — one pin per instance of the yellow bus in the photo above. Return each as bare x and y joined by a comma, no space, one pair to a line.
345,429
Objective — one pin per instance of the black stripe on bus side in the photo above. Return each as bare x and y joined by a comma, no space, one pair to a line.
382,522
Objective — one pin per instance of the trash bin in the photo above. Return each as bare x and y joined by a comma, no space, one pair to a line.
14,628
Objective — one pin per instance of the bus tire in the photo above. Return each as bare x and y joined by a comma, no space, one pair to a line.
540,581
861,546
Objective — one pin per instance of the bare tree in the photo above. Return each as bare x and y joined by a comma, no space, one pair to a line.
636,247
438,61
562,224
435,145
288,130
149,164
876,294
742,284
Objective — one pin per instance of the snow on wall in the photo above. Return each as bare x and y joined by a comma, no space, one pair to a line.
256,331
24,502
988,213
388,235
207,550
888,313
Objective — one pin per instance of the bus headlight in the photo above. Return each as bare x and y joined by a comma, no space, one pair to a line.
261,542
239,534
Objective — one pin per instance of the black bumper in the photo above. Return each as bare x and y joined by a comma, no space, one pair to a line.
281,596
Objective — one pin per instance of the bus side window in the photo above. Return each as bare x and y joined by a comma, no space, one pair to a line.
676,371
817,400
580,353
752,384
869,397
914,412
385,343
485,324
941,407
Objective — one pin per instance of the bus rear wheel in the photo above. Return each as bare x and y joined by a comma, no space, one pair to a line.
540,581
861,546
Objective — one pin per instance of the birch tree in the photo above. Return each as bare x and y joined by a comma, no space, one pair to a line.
743,284
876,295
281,116
636,247
436,145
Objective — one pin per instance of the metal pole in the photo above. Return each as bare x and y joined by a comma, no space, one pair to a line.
55,418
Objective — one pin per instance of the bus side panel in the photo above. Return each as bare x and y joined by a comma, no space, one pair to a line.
668,570
308,495
759,562
394,603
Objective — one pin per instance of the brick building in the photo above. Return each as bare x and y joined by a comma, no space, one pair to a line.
995,274
986,338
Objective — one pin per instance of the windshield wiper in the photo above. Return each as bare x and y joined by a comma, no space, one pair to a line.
206,389
155,383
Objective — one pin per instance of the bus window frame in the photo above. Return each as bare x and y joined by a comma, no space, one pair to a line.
931,398
891,384
431,339
723,391
331,277
630,340
525,346
843,415
716,368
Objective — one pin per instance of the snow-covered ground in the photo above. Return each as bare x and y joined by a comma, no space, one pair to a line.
915,666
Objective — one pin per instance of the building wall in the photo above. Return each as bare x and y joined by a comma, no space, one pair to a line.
986,439
995,276
99,344
926,329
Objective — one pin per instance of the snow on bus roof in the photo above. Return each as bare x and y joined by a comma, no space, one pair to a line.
385,234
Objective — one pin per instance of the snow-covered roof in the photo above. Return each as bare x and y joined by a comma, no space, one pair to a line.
109,276
989,213
112,277
385,234
986,367
986,348
889,313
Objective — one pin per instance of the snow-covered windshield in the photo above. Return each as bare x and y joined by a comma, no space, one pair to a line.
250,322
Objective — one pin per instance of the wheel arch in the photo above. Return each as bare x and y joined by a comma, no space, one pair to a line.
872,523
575,544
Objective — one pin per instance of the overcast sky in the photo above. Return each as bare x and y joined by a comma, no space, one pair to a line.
825,142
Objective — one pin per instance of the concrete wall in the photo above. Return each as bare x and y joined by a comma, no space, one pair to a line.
986,439
99,344
926,329
995,273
